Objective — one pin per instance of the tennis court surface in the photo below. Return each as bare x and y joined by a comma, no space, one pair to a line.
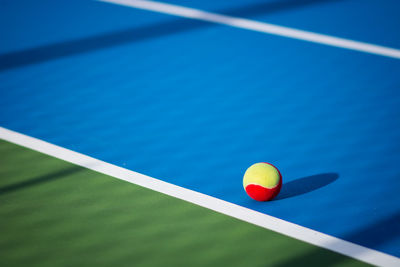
126,127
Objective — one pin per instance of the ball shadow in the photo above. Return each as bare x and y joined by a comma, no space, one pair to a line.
306,184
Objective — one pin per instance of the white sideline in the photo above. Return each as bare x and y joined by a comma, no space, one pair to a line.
258,26
263,220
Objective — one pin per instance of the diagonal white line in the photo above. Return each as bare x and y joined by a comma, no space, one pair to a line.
259,27
263,220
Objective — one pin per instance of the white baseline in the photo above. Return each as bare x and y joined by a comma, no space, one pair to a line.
259,26
263,220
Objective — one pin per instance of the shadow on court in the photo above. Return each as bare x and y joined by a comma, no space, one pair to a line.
92,43
306,184
271,7
41,179
372,236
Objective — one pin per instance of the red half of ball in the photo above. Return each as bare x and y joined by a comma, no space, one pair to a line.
260,193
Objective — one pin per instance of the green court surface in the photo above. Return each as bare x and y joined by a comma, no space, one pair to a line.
53,213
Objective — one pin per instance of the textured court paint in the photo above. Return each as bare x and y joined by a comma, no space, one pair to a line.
55,214
263,220
331,17
221,105
259,27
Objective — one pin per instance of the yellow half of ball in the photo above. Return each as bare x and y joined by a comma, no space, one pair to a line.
263,174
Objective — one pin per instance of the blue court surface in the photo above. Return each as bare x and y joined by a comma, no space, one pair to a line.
195,103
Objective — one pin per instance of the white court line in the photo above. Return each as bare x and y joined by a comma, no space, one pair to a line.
263,220
259,26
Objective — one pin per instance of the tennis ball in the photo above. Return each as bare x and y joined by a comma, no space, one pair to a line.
262,181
